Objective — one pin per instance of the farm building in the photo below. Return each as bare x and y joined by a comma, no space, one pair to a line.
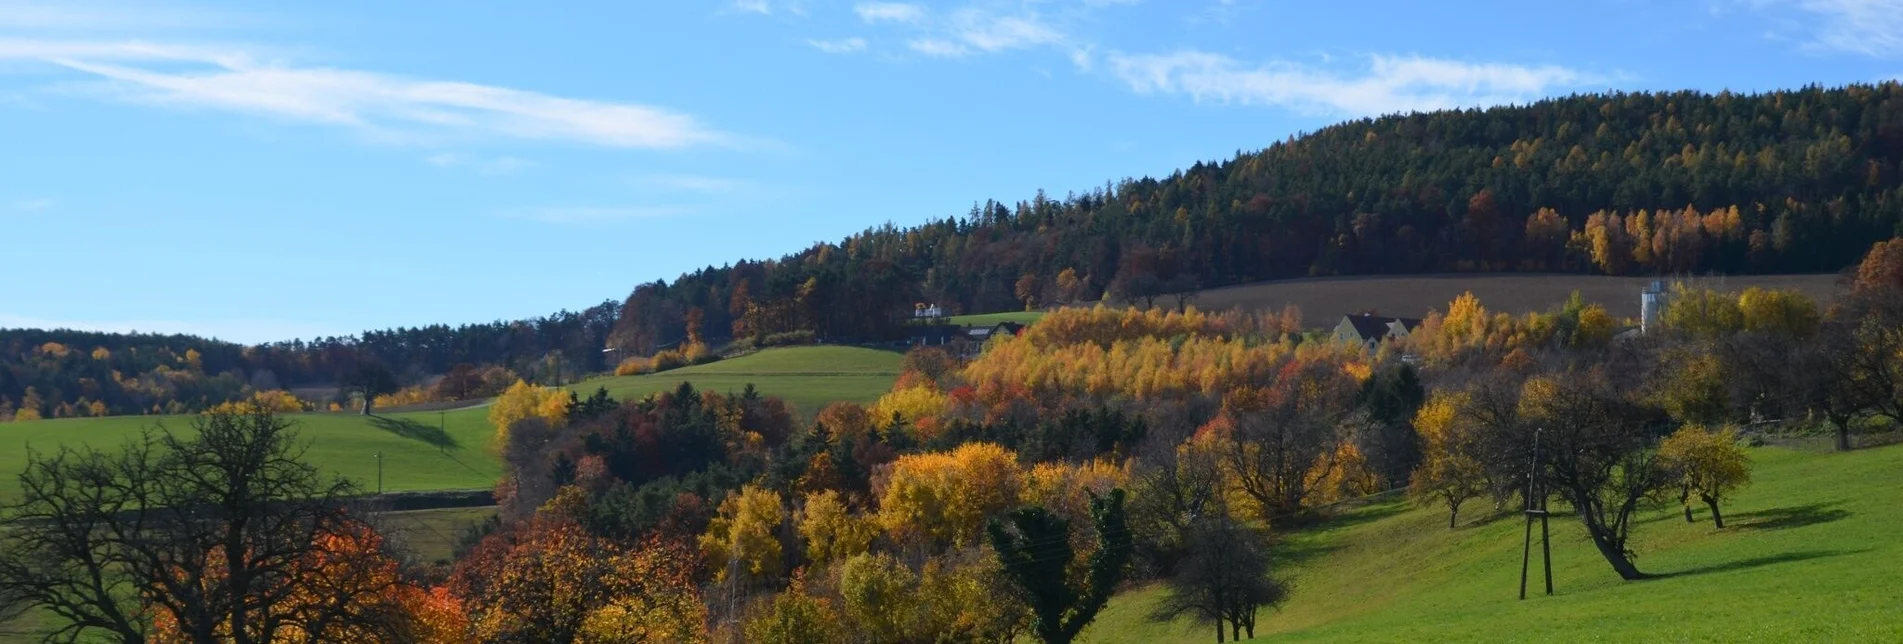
1368,329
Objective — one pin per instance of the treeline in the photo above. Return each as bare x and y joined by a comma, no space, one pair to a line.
64,373
1623,183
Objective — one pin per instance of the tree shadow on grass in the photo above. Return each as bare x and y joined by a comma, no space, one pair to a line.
1755,562
1791,517
413,430
1341,517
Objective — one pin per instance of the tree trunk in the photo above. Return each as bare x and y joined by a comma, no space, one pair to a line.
1688,513
1843,436
1453,514
1614,555
1716,518
1219,632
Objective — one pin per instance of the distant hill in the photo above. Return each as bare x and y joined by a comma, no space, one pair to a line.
1624,184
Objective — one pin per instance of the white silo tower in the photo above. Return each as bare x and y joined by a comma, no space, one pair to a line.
1652,302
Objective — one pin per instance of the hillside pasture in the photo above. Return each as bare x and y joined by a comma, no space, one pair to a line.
987,319
421,451
1809,554
807,376
1324,300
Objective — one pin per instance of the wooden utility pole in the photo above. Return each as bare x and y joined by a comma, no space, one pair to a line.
1536,508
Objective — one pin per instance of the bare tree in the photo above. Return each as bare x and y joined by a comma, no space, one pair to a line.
1225,578
217,531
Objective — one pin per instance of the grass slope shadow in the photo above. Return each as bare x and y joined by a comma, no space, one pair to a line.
1754,562
413,430
1792,517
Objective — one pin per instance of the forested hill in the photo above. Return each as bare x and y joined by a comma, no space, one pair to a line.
1624,183
1627,183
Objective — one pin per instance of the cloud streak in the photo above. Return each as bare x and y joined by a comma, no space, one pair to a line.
1388,84
899,12
231,80
841,46
1871,28
36,204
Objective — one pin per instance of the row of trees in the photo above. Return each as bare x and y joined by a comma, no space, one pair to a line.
65,373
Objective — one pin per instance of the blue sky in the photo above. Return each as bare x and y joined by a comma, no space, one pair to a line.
259,171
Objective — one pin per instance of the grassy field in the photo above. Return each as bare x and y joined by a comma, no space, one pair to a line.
1324,300
1809,553
809,377
432,534
1020,317
421,451
452,449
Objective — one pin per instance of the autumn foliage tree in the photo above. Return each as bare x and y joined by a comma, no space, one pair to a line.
1450,472
1707,465
548,579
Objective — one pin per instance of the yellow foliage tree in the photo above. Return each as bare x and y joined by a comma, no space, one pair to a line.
1703,312
741,539
946,497
522,400
1708,464
1695,391
912,404
1065,489
1449,472
796,617
1778,311
831,532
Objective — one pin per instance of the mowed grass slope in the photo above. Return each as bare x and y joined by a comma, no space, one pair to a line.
1020,317
1811,553
1324,300
809,377
421,450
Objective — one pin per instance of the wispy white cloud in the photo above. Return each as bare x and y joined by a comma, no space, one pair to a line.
584,215
483,166
35,204
976,30
993,33
841,46
242,330
1867,27
770,7
690,183
937,47
1387,84
229,79
88,15
900,12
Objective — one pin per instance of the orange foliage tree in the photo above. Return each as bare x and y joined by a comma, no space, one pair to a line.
549,580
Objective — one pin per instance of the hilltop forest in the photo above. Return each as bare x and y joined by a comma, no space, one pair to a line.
1622,184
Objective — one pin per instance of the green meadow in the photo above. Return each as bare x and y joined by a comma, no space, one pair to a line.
1809,553
1020,317
420,451
809,377
454,449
